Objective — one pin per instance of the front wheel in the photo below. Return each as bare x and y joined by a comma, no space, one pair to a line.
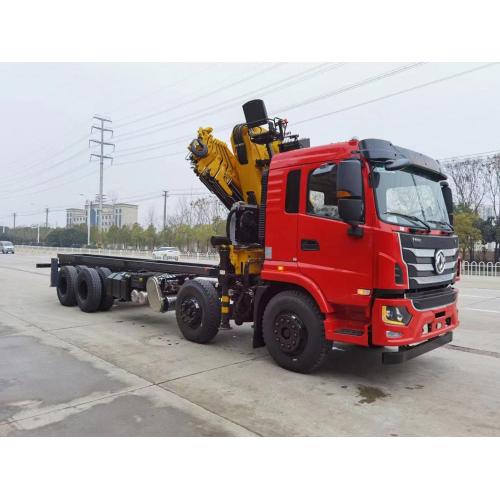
294,332
197,310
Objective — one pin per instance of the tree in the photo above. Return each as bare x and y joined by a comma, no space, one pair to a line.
150,236
492,169
490,233
469,234
67,237
469,180
137,235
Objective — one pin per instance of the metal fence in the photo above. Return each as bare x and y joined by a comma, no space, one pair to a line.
145,254
474,268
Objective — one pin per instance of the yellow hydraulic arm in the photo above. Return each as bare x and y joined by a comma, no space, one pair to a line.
232,175
235,177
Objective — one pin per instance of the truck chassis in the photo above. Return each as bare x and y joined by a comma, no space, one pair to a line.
199,294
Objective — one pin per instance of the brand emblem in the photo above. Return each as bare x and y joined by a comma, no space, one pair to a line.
439,261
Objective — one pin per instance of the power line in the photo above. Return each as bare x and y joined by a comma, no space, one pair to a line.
162,88
470,155
347,88
353,86
30,167
228,103
52,166
202,96
394,94
326,114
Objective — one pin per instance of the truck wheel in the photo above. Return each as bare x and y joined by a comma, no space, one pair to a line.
88,289
294,332
66,286
107,300
197,310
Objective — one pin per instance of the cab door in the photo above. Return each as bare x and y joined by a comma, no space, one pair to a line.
339,263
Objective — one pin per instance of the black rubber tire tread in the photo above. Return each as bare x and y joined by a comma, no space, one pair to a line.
316,348
209,302
107,301
91,278
69,274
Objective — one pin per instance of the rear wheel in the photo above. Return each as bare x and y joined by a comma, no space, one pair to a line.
294,332
66,286
88,289
107,300
197,310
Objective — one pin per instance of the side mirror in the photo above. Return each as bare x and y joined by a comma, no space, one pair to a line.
351,210
448,200
350,193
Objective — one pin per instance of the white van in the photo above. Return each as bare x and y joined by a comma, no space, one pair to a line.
6,247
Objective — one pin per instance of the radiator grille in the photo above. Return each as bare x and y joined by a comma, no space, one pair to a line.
419,254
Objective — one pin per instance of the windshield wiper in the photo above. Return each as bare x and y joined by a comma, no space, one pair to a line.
410,217
442,222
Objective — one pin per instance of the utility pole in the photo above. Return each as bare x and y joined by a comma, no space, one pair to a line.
47,217
101,157
14,215
165,195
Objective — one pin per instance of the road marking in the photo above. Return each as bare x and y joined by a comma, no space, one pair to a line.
482,352
480,310
460,294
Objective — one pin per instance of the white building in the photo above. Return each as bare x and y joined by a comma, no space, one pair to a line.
118,214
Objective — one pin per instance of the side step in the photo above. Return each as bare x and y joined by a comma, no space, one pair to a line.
407,353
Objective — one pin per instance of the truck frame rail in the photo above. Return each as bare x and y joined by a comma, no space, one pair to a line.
131,264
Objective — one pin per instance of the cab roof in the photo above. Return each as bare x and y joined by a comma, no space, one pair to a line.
328,152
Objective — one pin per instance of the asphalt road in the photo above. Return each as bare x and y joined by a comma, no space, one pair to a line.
129,372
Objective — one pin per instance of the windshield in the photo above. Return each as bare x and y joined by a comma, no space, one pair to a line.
6,243
404,196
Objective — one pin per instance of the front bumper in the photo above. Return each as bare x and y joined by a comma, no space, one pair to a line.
405,353
423,326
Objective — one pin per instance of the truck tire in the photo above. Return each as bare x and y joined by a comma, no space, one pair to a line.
294,332
88,289
197,311
107,300
66,286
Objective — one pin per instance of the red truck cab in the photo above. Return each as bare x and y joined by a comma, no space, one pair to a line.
364,228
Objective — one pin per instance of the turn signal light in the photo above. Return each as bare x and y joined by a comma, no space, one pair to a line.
343,194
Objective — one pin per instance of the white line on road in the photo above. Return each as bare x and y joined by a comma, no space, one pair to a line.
460,294
480,310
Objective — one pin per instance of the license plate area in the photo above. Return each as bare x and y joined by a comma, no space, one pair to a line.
440,322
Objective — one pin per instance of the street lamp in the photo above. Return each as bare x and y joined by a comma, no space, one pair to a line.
88,202
37,232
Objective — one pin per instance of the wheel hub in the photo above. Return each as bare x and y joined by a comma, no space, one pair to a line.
289,331
191,312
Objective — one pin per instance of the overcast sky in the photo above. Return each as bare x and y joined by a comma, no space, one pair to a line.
47,111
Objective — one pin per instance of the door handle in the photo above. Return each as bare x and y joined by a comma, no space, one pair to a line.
309,245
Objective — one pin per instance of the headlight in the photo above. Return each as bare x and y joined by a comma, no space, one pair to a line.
393,315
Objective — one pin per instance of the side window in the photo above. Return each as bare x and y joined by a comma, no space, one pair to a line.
292,192
322,192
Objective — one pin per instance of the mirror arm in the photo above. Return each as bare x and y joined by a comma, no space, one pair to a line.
355,230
